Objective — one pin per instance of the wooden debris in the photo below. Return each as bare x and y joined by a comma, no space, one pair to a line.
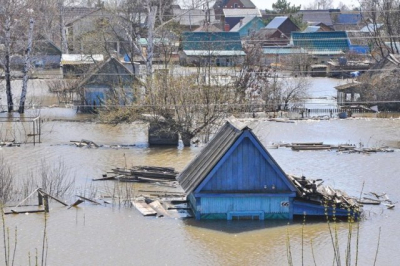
143,208
84,143
145,174
27,211
90,200
161,212
76,203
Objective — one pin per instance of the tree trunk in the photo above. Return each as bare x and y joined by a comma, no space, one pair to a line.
64,45
27,66
7,74
186,137
150,43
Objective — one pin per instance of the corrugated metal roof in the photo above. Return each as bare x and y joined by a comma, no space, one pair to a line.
276,22
214,41
330,42
240,12
204,162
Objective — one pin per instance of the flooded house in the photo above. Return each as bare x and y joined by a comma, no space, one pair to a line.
109,81
235,177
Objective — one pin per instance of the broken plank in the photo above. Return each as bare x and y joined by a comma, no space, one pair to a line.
144,208
156,205
90,200
18,212
76,203
54,198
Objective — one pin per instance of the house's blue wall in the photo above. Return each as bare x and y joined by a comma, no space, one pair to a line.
253,26
245,170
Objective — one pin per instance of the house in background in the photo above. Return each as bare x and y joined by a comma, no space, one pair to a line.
191,19
248,26
231,17
312,17
45,54
347,21
322,46
284,24
211,48
271,37
246,4
109,81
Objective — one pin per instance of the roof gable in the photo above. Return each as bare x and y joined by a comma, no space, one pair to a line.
213,41
276,22
111,72
323,16
246,167
253,23
225,144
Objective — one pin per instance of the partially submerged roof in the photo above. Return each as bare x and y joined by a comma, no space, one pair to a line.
240,12
200,167
211,41
329,42
276,22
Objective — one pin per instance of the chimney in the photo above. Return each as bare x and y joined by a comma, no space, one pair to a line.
227,27
241,23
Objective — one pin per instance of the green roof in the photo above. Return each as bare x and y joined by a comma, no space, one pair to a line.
322,42
214,41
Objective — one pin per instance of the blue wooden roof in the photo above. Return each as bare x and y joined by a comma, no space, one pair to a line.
234,161
330,41
211,41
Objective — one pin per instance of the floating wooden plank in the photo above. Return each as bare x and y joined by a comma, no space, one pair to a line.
76,203
156,205
144,208
90,200
26,211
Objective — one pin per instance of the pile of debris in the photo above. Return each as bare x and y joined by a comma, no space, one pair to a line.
141,174
313,191
9,144
377,199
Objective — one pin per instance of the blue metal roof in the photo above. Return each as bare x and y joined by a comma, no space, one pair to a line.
215,41
276,22
350,19
330,41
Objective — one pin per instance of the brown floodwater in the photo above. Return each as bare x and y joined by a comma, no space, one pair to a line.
118,235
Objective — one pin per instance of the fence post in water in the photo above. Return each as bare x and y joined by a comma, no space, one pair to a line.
40,128
34,131
40,199
46,203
